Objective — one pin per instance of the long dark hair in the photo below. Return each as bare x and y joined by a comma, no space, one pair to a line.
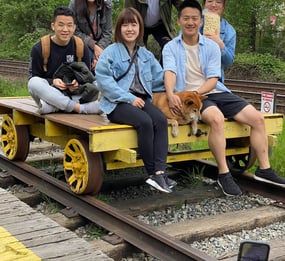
81,7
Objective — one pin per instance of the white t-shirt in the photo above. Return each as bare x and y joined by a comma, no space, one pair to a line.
152,15
194,76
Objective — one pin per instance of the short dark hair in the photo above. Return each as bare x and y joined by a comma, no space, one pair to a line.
128,15
62,10
189,3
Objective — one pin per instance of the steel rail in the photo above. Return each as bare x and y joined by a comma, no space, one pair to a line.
142,236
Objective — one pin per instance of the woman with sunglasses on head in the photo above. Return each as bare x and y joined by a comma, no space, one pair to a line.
93,19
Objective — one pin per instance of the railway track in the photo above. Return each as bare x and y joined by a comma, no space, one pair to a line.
142,236
121,222
249,90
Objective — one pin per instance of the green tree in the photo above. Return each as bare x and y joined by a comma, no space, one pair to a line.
23,22
251,19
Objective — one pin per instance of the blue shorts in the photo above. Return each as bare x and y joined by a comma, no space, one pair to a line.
228,103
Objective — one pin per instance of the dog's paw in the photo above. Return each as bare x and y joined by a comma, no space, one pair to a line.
194,131
174,130
194,127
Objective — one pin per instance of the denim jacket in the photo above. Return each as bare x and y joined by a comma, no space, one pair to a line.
174,59
112,63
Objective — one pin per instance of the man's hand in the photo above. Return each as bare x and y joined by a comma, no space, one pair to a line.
174,103
59,84
73,86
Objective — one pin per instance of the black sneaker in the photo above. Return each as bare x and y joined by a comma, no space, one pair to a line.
227,184
170,182
269,176
158,182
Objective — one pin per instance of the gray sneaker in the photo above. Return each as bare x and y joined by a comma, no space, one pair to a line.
228,185
158,182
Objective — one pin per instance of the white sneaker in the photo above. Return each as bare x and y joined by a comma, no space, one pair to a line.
90,107
47,108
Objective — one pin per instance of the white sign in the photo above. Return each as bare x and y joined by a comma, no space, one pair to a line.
267,102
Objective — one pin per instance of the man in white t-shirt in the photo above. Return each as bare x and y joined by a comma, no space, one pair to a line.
193,62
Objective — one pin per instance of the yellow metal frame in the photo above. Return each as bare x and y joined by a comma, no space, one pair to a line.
118,143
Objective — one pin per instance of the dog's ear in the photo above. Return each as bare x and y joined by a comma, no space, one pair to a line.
189,102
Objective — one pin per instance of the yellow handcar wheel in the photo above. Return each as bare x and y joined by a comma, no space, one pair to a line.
83,169
15,139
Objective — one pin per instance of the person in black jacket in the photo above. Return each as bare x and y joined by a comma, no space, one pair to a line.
48,91
93,25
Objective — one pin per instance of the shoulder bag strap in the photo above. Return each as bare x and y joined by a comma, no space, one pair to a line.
131,62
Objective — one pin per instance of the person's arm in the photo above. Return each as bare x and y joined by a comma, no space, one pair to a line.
36,64
210,64
106,35
170,76
228,52
105,73
208,85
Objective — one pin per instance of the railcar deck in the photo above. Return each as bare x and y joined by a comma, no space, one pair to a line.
102,144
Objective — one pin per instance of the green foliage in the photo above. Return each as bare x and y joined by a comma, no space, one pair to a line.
277,157
254,66
24,22
251,19
11,88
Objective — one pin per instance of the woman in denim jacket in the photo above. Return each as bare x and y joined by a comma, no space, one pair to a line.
227,37
128,99
93,19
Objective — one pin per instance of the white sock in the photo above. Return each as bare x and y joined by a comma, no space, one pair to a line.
47,108
90,107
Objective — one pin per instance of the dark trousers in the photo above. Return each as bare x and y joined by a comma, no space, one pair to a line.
151,126
159,33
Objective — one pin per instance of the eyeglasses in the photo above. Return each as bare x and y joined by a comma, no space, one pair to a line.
218,2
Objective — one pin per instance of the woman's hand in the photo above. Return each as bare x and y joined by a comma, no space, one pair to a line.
138,102
216,38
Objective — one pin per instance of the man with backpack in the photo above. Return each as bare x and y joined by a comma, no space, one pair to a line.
51,53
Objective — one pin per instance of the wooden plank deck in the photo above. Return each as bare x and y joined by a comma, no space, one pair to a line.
39,235
78,121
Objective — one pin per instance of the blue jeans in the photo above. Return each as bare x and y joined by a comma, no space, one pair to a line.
40,89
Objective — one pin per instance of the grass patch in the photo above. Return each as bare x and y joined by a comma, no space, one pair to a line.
13,88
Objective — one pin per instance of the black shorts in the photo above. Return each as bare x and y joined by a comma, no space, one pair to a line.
228,103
